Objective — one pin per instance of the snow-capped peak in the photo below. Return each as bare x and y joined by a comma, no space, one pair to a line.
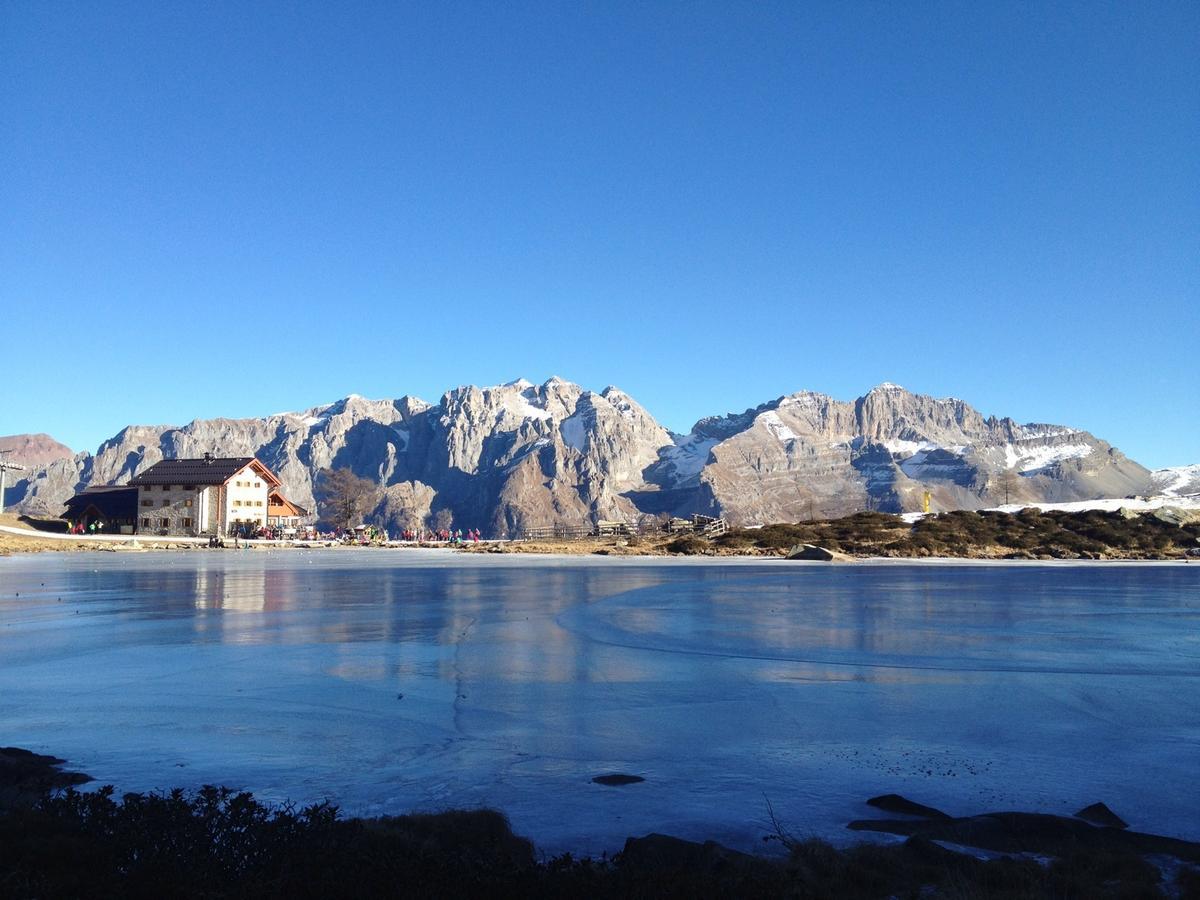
1177,481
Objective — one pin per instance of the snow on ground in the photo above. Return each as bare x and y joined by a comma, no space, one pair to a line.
1110,504
1107,504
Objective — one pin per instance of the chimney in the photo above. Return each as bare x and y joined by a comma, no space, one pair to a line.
208,458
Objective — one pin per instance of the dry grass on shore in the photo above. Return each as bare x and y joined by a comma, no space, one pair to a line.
1029,534
34,541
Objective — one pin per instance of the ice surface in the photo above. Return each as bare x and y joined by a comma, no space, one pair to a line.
388,681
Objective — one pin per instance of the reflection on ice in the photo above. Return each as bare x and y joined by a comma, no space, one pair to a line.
392,681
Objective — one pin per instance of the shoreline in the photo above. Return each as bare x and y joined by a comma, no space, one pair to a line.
966,537
31,544
175,840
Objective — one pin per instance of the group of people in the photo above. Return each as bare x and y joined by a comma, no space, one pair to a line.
445,535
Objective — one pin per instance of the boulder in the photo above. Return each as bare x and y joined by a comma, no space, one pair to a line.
616,779
810,552
26,776
1016,832
664,853
1099,814
894,803
1176,515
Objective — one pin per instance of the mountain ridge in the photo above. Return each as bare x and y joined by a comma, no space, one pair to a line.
511,456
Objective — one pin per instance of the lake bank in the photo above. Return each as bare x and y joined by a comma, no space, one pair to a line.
230,843
1029,534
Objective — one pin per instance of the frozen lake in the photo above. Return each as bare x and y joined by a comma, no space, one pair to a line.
392,681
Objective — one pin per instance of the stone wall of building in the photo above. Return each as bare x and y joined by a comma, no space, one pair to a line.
168,509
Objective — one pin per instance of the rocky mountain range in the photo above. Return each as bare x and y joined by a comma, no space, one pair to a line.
33,449
520,455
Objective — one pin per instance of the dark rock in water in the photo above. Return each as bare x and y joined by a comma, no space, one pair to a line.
663,853
1015,832
894,803
26,776
810,552
617,778
1099,814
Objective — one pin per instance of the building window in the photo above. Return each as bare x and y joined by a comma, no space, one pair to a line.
187,523
258,503
162,523
258,484
147,503
237,502
145,523
166,487
187,502
189,487
166,502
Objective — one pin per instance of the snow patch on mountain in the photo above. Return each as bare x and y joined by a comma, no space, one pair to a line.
526,404
1038,432
1034,460
689,454
574,432
803,399
776,426
1177,481
898,447
621,402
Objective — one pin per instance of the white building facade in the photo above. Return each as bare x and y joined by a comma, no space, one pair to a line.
210,496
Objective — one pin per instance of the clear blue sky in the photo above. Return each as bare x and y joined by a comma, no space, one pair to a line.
241,208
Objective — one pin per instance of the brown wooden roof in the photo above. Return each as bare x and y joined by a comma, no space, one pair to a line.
213,470
112,502
279,505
